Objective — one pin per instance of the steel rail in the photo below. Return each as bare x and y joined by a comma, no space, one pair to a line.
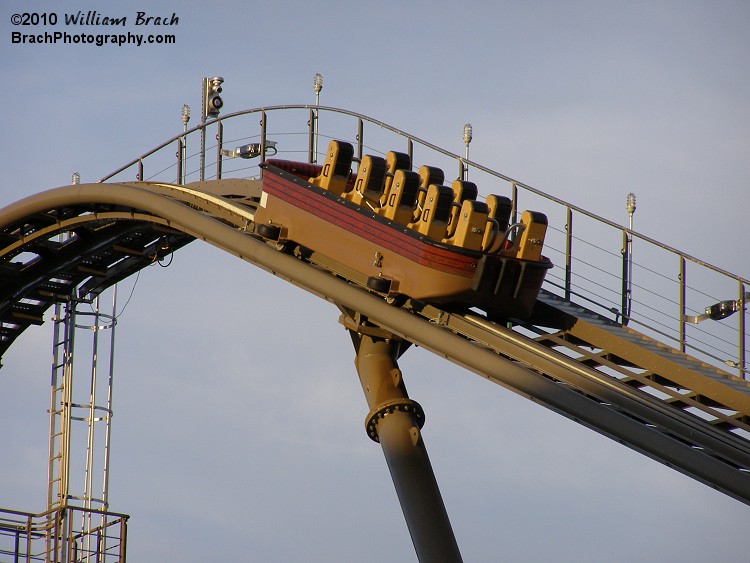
632,420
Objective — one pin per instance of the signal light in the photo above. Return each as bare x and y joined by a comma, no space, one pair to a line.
212,101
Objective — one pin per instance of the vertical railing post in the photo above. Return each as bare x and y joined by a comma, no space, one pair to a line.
17,546
47,531
180,149
514,200
683,337
140,170
741,364
219,143
123,539
568,252
625,307
203,151
262,137
410,151
360,135
312,157
99,546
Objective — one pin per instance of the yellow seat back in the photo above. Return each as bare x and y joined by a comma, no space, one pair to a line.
531,240
433,221
336,168
370,182
470,225
402,197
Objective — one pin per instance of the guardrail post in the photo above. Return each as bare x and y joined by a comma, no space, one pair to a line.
262,137
219,143
180,164
360,135
625,307
741,359
681,277
203,151
312,131
568,250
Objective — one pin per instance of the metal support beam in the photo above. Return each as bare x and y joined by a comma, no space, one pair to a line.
395,421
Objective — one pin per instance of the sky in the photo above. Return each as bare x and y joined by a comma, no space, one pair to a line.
239,421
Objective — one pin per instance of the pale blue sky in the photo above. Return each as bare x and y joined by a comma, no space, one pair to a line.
229,445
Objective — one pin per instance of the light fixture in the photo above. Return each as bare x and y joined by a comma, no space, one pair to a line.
317,86
630,205
720,310
467,135
185,116
250,150
467,139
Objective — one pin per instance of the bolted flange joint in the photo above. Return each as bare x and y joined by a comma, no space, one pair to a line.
389,407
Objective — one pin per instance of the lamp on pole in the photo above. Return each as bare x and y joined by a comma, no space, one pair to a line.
467,139
317,87
183,149
627,297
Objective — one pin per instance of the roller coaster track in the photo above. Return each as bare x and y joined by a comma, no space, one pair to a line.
600,373
625,373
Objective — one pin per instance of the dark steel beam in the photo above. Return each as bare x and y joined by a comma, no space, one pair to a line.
395,421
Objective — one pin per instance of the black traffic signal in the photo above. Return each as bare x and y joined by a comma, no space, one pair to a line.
212,101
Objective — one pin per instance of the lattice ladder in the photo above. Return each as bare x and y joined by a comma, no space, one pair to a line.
75,398
60,400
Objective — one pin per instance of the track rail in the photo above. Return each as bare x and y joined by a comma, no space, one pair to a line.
117,229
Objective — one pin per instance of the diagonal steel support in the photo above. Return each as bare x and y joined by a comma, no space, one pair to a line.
395,421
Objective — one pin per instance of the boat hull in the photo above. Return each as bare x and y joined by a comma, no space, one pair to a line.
409,264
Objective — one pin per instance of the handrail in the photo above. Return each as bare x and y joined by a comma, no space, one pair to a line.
56,535
444,152
312,115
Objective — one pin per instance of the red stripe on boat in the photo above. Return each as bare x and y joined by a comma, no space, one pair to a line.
368,228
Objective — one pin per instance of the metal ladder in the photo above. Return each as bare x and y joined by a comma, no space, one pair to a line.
81,393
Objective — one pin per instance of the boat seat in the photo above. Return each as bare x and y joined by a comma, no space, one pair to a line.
334,175
402,197
393,161
369,182
428,175
397,161
470,225
462,190
433,221
531,240
501,208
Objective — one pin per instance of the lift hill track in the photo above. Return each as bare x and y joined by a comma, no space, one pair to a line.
639,387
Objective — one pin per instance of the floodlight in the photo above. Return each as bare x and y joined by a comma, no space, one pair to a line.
720,310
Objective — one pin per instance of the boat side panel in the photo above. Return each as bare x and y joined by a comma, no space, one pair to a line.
418,269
